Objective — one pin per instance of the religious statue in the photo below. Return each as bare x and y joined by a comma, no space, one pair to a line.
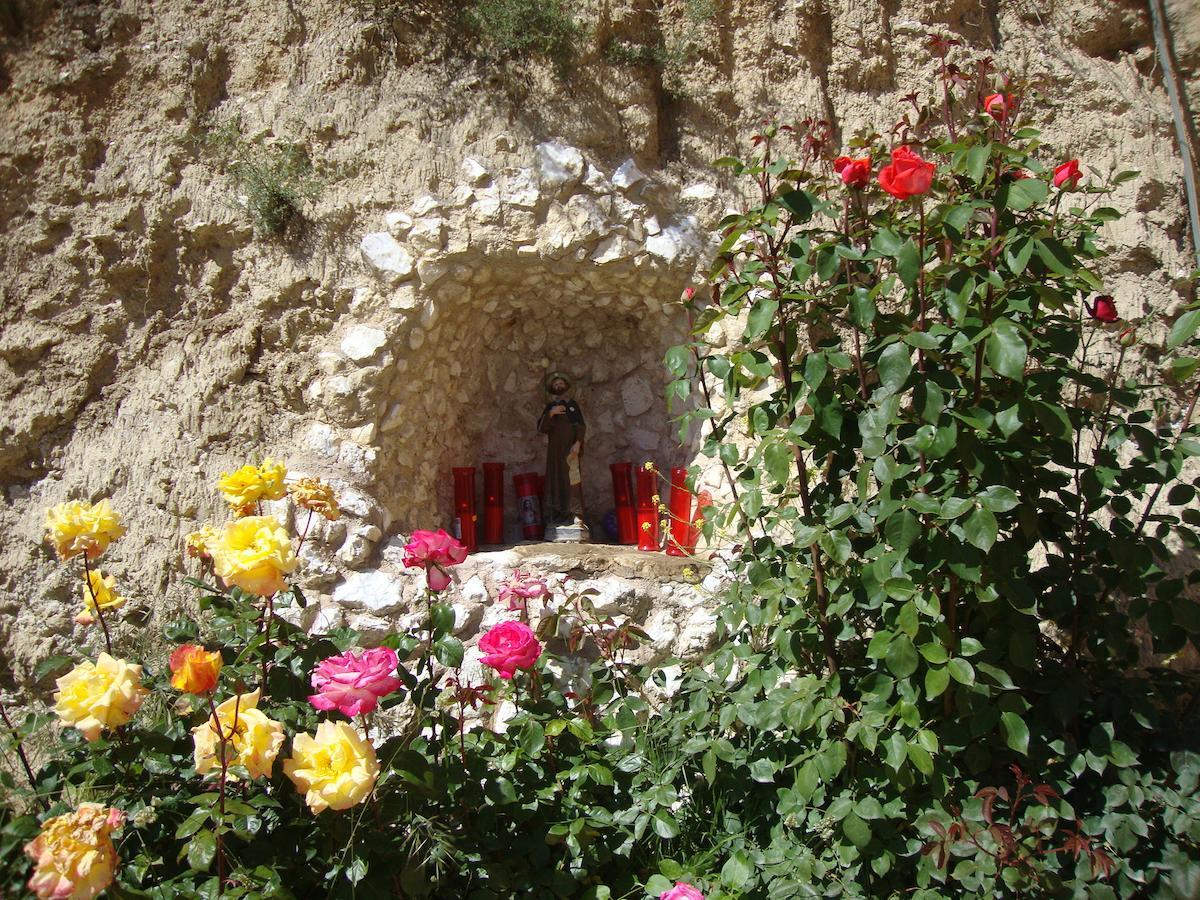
562,422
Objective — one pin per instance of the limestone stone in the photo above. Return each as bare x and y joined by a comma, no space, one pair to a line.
518,188
558,164
385,256
636,396
628,175
327,619
376,592
398,223
363,342
474,172
699,190
425,205
427,234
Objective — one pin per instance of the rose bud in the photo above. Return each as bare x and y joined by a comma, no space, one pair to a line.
194,669
1067,176
1103,309
853,172
998,106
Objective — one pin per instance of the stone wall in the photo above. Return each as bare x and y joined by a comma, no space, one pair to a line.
478,224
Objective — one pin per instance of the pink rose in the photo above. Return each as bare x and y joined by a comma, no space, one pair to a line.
510,646
520,589
353,682
1067,175
907,175
854,172
681,891
434,551
998,106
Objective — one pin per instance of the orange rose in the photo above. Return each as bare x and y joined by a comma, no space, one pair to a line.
194,669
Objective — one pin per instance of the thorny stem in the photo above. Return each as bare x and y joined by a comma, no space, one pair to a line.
224,755
87,579
20,751
1077,477
304,534
268,615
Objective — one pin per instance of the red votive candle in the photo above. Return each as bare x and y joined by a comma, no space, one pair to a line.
464,507
623,502
681,513
493,503
647,511
529,505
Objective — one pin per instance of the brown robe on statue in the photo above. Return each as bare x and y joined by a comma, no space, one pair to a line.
562,503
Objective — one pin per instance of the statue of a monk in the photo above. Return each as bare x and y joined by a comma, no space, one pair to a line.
562,421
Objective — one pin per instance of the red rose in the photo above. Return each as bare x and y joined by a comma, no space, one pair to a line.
907,175
998,106
1103,309
853,172
1067,175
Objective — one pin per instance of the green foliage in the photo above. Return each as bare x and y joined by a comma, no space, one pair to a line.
543,29
273,181
667,52
949,504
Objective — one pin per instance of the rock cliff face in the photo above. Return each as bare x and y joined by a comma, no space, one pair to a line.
477,224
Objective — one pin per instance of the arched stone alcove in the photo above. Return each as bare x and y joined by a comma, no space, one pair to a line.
473,298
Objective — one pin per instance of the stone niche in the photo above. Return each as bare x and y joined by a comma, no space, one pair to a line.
474,296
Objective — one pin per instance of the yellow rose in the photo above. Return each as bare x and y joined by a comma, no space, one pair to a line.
78,527
336,769
102,592
74,856
200,542
254,553
316,496
101,695
244,488
252,740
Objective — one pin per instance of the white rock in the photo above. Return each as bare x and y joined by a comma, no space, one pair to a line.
377,592
360,297
393,419
398,222
486,207
416,338
652,226
558,163
636,396
596,180
427,234
320,440
358,459
362,342
613,248
474,172
587,218
519,189
372,628
329,618
386,257
430,269
355,552
700,190
357,503
363,434
628,175
425,204
664,245
404,298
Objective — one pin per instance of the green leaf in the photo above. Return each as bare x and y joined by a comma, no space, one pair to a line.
201,850
981,529
677,360
798,203
936,681
448,651
50,665
192,823
443,617
961,671
902,529
897,750
895,364
1016,733
657,885
760,318
1024,193
665,825
901,656
1183,329
1006,350
857,830
977,160
920,758
737,870
778,461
